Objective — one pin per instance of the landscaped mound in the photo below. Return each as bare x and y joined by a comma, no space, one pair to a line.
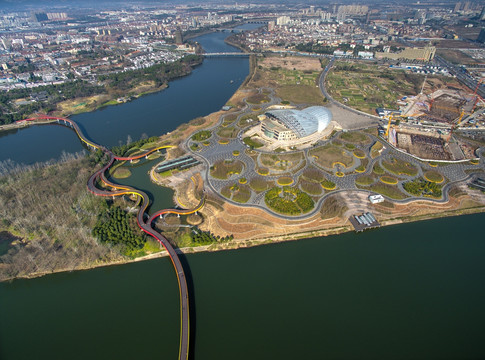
288,200
434,176
285,180
223,169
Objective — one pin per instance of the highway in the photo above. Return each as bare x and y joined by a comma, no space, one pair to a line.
119,190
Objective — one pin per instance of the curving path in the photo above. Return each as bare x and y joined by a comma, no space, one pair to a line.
146,226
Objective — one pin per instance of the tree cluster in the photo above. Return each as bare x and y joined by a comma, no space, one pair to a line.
122,149
115,226
421,187
206,237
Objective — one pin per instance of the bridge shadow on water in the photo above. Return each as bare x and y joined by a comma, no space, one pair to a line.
192,304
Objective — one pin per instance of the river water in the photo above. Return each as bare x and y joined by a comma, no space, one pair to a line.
406,291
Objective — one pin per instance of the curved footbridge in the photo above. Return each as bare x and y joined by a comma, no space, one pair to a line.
146,226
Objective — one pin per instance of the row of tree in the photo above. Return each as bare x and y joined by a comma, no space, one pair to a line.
206,237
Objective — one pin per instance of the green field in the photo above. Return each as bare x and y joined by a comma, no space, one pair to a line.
367,87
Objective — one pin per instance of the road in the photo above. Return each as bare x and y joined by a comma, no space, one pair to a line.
146,226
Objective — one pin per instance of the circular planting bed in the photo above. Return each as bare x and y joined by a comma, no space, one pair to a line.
388,180
474,162
360,169
365,180
236,153
223,141
206,143
285,181
243,180
339,174
289,200
194,219
434,176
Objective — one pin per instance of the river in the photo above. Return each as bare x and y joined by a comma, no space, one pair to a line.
405,291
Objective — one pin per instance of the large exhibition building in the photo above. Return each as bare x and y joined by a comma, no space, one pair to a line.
291,124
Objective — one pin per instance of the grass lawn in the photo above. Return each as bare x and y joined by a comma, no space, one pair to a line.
224,169
365,180
399,167
434,176
376,149
259,184
355,137
387,190
329,154
122,173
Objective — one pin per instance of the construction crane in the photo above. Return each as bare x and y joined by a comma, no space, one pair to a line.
388,126
477,97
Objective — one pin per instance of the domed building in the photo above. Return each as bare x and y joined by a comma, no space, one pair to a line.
291,124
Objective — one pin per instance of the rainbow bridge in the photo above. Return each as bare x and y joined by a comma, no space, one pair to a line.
120,190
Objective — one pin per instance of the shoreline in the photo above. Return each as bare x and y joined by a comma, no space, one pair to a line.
254,242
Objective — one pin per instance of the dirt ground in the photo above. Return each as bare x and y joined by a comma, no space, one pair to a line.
290,63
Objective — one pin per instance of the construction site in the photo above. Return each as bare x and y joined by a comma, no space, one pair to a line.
425,124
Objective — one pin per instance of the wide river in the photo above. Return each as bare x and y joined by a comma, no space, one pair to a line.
411,291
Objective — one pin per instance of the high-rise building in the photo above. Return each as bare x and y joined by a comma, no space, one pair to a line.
283,20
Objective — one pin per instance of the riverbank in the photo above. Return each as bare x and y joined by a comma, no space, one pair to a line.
241,244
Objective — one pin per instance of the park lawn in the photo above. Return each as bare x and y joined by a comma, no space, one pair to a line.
390,191
228,132
355,137
281,161
311,187
399,167
376,149
122,173
259,184
224,169
242,194
434,176
329,154
301,94
312,174
365,180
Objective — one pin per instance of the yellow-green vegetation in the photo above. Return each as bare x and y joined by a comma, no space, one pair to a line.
201,135
388,180
154,155
258,184
237,192
165,173
263,171
328,185
434,176
223,141
365,180
433,164
235,153
339,174
311,187
243,180
122,173
390,191
288,200
252,143
375,150
378,170
206,143
399,167
360,168
223,169
329,154
284,181
359,154
421,187
349,146
355,137
474,162
366,87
